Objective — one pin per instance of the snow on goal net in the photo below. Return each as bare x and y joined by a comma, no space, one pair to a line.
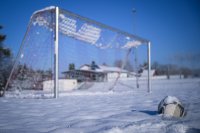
90,56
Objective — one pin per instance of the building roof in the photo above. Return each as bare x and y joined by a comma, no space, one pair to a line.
103,68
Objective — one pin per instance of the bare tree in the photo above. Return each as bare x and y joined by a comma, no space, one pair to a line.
118,63
126,66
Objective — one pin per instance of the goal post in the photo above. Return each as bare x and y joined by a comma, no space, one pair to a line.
149,65
56,54
63,51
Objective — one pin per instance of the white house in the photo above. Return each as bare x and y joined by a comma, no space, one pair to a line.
110,73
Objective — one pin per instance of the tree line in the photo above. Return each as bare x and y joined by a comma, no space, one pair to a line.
175,69
5,62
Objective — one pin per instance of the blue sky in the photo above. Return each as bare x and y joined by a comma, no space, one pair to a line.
173,26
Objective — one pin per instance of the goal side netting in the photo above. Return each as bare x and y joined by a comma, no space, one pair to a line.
90,56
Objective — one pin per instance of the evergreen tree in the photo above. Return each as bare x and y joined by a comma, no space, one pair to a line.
5,63
93,65
71,66
4,52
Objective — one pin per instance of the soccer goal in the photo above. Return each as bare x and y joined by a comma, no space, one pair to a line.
62,51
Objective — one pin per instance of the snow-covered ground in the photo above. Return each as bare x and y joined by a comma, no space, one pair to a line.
127,109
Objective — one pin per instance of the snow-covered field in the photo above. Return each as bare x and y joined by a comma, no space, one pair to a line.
124,110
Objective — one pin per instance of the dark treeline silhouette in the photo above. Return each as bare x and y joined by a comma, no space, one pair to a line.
5,63
25,77
124,65
174,69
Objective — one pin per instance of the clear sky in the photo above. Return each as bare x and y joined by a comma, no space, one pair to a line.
173,26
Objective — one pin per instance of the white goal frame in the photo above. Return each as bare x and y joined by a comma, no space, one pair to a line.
56,45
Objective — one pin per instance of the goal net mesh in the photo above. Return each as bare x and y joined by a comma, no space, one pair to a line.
91,56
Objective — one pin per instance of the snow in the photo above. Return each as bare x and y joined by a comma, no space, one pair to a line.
45,9
83,30
97,110
111,69
131,44
22,55
86,32
171,99
103,68
41,21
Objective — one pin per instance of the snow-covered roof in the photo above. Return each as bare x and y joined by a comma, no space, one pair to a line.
111,69
103,68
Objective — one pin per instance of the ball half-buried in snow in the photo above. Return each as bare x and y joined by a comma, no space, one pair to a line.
171,106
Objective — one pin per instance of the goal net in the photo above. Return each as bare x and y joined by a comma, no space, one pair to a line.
62,51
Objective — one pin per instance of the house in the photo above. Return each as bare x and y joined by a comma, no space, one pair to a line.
97,73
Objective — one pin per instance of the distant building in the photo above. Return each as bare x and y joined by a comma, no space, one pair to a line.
100,73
